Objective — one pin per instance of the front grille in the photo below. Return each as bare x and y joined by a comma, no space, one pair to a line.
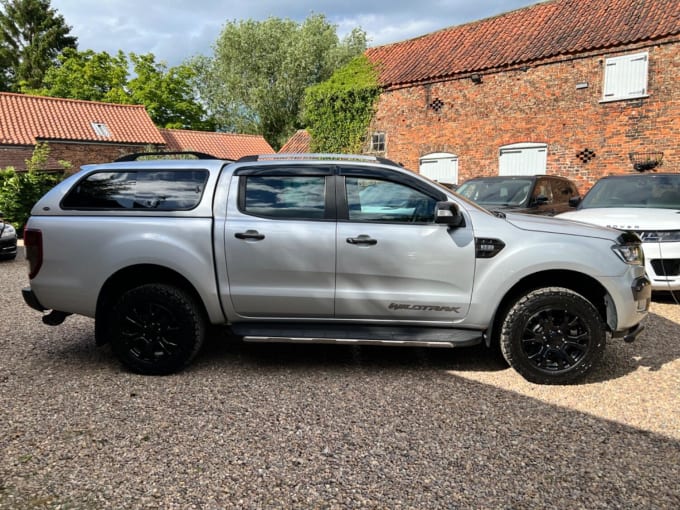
666,267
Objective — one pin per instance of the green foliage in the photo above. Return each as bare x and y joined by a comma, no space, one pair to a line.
167,93
32,34
256,80
86,75
339,110
19,191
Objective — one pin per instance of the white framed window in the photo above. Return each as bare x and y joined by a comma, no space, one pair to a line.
378,142
100,129
625,77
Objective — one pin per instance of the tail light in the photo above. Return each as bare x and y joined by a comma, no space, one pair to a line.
34,251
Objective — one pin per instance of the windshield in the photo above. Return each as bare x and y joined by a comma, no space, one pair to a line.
505,192
642,191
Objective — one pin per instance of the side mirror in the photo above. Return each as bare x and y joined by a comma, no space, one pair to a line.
447,213
574,201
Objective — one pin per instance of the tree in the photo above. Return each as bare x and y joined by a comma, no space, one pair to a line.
31,36
86,75
167,93
255,81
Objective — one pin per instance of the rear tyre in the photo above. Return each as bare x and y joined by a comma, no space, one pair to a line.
553,336
156,329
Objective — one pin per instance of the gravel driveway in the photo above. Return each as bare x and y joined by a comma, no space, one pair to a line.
285,426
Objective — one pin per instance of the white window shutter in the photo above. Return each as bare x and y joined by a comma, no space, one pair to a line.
625,77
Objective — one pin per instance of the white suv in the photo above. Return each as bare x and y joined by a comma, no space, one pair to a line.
647,204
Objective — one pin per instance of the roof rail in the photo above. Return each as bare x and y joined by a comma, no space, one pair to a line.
137,155
317,156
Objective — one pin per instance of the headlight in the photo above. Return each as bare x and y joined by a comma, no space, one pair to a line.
630,253
660,236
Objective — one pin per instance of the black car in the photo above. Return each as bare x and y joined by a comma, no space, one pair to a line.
8,240
533,194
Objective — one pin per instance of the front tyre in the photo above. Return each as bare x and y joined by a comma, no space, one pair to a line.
156,329
553,336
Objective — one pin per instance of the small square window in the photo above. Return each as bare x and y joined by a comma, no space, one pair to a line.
378,142
100,129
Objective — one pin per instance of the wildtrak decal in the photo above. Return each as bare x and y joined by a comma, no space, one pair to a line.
424,308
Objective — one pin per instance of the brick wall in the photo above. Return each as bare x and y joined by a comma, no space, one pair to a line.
77,154
539,104
84,154
14,156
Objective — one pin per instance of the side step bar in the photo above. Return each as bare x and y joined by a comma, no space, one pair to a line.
404,336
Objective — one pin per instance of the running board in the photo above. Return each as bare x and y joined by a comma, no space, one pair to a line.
406,336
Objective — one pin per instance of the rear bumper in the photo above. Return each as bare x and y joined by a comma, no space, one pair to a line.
31,299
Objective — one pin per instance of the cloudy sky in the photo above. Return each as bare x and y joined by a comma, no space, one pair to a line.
174,30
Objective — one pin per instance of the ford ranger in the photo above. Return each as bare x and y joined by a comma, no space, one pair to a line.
323,248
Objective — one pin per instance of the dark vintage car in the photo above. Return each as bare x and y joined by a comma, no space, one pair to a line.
533,194
8,240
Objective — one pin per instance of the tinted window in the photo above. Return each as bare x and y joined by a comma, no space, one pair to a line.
292,197
377,200
647,190
152,189
496,191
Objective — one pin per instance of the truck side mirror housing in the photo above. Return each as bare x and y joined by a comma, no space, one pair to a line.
448,213
574,201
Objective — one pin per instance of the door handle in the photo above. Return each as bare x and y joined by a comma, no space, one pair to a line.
249,235
362,240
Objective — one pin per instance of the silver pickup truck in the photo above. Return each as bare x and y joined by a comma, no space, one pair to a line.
323,248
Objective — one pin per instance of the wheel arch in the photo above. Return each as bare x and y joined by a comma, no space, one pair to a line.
134,276
581,283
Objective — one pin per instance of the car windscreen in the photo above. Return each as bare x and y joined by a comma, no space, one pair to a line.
503,192
642,191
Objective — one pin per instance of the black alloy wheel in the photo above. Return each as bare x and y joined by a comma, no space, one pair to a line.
156,329
553,336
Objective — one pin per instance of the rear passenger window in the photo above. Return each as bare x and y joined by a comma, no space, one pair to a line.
285,197
149,189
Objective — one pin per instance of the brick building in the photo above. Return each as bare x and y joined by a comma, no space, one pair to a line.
80,132
84,132
580,88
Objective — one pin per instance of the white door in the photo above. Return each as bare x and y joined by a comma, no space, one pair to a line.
523,159
440,166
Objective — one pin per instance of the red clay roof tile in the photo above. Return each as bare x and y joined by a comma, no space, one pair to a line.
222,145
26,119
544,30
299,143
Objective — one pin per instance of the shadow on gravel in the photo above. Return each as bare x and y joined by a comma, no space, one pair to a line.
222,347
654,348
